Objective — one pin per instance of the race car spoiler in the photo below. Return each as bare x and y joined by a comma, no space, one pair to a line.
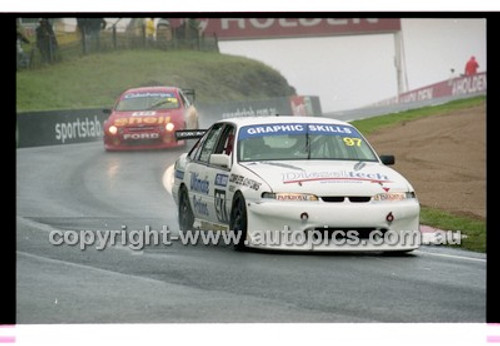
189,134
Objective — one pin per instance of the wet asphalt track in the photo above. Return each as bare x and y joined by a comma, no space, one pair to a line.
81,187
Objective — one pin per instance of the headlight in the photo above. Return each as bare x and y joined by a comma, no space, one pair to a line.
284,196
169,127
394,196
113,129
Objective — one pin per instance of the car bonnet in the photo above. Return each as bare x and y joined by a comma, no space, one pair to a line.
329,178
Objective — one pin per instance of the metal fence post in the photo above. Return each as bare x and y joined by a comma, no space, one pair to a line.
114,36
216,43
174,35
143,35
84,40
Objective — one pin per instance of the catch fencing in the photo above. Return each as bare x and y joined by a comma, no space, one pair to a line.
70,41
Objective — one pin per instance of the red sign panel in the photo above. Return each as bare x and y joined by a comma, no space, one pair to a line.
470,85
260,28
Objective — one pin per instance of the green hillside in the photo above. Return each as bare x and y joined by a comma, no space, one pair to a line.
96,80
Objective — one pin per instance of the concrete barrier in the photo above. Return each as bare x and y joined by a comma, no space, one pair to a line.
294,105
434,94
59,127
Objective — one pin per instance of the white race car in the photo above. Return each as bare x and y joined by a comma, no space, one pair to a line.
295,183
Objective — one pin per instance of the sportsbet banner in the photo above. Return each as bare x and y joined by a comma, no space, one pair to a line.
59,127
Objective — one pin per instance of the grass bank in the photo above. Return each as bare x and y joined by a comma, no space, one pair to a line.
96,80
474,229
367,126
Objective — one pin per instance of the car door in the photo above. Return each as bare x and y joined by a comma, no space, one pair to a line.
219,199
200,182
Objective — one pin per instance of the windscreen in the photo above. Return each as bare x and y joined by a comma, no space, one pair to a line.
299,141
140,101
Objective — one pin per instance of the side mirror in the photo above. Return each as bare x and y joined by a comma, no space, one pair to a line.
106,111
222,160
388,159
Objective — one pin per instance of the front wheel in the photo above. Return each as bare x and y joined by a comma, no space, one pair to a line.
238,220
186,217
397,253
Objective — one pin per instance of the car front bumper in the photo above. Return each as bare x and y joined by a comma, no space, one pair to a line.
116,143
321,226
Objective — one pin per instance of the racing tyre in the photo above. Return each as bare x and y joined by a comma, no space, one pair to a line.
397,253
186,217
238,220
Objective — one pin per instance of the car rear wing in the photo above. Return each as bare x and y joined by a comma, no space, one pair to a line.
190,94
189,134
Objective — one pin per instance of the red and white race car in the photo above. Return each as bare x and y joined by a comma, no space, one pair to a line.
147,118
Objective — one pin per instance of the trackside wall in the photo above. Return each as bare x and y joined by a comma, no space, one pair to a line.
86,125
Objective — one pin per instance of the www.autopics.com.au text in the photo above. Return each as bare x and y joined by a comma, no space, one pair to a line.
138,239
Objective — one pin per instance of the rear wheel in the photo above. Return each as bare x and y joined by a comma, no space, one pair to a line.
238,220
186,217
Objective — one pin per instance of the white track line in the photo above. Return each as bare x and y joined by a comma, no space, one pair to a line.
483,260
86,267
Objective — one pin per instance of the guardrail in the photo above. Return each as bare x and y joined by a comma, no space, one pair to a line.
86,125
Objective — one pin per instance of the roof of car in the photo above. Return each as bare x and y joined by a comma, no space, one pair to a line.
151,89
264,120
